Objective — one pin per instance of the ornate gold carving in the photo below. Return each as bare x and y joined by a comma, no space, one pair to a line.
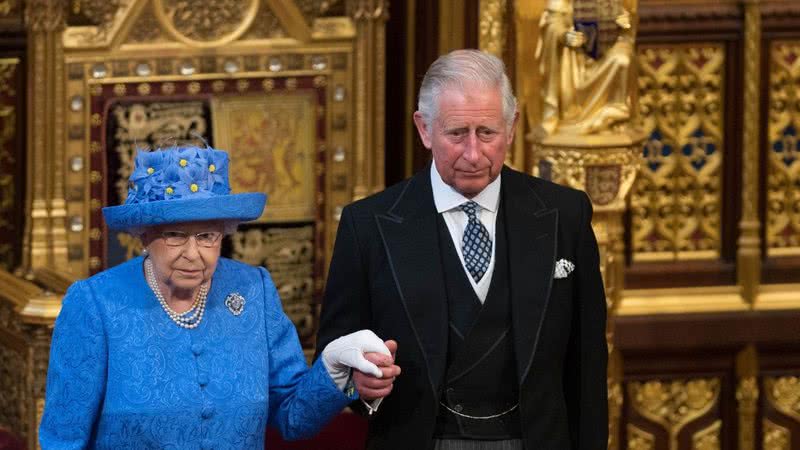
748,256
218,86
99,13
8,70
747,396
7,7
676,202
266,25
674,404
120,89
783,162
314,9
783,393
45,15
708,438
146,28
491,26
776,437
143,89
639,439
590,169
8,160
205,24
288,253
271,150
291,18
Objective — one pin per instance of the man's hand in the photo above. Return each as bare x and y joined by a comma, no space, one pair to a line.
370,387
348,351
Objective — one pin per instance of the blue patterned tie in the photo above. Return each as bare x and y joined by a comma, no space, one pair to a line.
476,245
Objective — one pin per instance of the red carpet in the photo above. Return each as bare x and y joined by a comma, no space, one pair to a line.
9,441
347,431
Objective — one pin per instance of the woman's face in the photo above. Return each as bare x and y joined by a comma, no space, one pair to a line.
184,255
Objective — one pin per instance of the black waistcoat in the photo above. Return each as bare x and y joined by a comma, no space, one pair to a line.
481,377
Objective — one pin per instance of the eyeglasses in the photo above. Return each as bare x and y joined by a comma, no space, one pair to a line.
206,239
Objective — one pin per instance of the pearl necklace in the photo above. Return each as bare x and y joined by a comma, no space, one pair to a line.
188,319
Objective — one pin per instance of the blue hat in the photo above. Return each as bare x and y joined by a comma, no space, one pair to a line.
186,184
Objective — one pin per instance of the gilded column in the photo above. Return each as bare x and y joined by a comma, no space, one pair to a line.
748,257
45,21
747,396
56,149
491,27
370,17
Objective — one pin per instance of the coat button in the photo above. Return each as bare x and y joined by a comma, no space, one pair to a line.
208,412
197,349
202,379
458,408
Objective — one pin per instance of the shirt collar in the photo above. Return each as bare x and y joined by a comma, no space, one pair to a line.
446,198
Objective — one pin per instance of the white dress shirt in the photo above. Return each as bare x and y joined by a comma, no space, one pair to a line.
448,200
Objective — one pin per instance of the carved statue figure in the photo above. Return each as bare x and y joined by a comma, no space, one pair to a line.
582,95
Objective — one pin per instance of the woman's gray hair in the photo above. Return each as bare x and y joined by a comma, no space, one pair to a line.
458,68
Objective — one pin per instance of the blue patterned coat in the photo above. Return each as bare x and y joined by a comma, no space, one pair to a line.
123,375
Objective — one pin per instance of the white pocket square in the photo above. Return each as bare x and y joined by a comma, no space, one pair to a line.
563,268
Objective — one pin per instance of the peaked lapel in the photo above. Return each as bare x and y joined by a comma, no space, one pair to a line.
531,228
410,237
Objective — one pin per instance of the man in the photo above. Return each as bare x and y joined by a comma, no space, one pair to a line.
488,280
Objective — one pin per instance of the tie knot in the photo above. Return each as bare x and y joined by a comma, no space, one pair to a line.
470,208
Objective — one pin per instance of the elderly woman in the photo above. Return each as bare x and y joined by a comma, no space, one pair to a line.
180,348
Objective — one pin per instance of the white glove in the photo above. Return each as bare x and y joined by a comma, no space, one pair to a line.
348,351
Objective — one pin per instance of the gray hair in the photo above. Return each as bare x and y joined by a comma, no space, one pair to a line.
458,68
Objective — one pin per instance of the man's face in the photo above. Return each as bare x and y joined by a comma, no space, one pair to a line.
469,138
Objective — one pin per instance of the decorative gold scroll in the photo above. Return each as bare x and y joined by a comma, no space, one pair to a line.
783,160
674,404
676,201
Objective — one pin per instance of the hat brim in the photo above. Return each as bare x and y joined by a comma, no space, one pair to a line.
235,207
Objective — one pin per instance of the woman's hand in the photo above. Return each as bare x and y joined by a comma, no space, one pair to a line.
348,352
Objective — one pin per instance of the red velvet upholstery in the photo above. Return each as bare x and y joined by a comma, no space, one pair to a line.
347,431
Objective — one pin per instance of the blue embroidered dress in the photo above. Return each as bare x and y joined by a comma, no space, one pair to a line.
123,375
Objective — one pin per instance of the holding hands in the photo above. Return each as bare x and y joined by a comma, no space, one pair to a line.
370,357
370,387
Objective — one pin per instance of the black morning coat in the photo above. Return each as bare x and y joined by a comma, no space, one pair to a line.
386,275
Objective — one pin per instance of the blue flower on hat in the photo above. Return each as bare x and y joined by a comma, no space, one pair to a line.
193,182
146,176
218,172
182,185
